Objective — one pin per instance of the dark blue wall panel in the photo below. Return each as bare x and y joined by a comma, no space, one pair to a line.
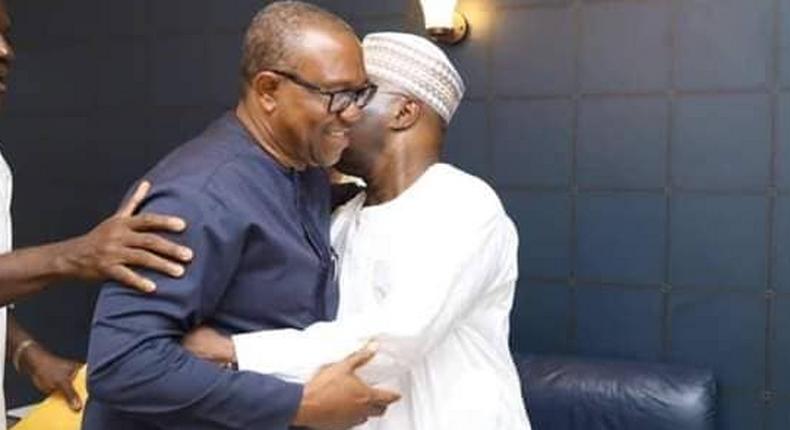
639,62
722,142
718,241
724,43
543,314
618,322
523,63
467,142
720,330
532,142
784,33
544,224
631,230
622,143
783,138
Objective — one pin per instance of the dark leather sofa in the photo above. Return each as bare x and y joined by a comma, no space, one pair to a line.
566,393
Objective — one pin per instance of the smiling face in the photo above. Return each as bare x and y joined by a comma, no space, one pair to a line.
331,60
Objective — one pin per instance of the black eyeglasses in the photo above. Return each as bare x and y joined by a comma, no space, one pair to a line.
338,100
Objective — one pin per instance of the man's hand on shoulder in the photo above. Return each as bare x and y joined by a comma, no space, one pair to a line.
125,240
337,399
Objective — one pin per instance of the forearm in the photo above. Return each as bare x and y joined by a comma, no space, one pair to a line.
151,377
27,271
296,355
21,346
16,335
426,299
48,372
108,251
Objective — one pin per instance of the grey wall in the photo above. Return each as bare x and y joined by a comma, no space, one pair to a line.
640,145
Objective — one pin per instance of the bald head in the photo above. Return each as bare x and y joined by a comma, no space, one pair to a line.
276,35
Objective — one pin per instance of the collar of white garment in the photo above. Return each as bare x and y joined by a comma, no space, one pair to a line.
402,199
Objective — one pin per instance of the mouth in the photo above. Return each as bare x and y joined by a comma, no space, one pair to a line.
340,135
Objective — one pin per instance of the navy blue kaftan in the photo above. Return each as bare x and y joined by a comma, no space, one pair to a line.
263,260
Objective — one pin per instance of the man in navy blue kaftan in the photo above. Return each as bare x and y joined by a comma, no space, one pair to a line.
254,190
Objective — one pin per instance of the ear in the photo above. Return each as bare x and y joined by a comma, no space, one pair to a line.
407,113
264,86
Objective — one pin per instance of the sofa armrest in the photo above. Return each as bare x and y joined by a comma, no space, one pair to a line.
564,393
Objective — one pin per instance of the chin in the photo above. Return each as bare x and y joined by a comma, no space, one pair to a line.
330,161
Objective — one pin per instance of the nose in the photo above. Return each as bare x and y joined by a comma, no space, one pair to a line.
351,114
6,51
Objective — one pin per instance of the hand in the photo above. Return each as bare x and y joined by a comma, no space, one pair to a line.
50,373
206,343
337,399
125,240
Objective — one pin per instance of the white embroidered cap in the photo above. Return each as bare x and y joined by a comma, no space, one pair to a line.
416,65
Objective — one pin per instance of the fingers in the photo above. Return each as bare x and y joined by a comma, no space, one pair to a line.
157,244
148,222
374,410
66,387
359,421
383,398
361,357
156,222
128,277
149,260
128,208
380,401
75,403
377,410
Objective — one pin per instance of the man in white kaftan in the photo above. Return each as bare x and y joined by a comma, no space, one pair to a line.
427,273
430,277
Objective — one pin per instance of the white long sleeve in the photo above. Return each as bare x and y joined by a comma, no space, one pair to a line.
438,271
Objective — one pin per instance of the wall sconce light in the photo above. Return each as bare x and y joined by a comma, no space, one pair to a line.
443,23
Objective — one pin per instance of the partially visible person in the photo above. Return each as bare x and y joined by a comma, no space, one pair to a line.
48,372
254,189
106,252
428,264
53,413
112,250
